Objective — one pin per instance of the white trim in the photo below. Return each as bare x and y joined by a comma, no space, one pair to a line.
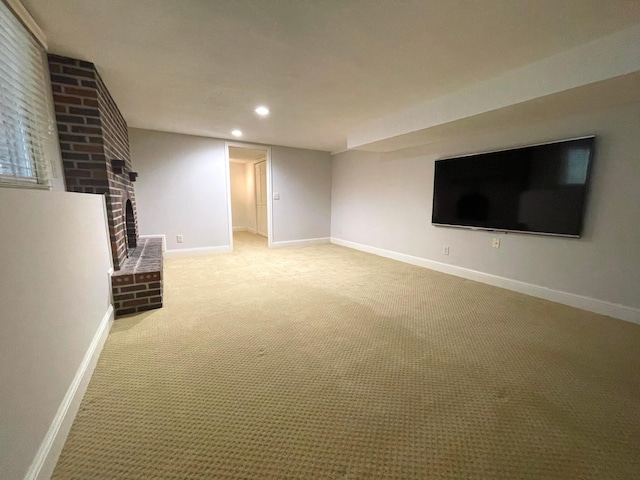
301,243
50,448
240,229
161,236
193,252
270,233
602,307
27,20
252,230
227,176
255,198
105,214
8,181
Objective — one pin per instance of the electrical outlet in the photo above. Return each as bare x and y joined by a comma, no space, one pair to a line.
496,242
179,238
445,250
276,196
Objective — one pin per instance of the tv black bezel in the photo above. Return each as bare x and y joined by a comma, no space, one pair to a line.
526,232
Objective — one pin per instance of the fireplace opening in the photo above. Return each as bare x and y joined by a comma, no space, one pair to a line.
130,222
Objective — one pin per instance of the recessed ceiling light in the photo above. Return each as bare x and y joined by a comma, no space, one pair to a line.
262,111
236,133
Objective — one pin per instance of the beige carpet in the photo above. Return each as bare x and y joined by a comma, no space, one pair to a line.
327,363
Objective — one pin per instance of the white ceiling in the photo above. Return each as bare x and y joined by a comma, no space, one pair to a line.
324,67
246,155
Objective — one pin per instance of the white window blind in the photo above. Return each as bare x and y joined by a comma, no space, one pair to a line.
27,127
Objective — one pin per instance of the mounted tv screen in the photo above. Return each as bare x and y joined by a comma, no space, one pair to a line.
537,189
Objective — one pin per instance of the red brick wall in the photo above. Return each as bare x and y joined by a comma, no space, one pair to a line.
75,98
92,133
138,292
138,286
116,145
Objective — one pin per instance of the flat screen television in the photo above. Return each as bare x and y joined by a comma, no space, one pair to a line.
538,189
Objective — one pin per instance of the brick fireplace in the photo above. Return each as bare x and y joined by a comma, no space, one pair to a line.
94,143
93,137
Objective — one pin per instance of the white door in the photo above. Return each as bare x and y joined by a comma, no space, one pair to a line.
261,198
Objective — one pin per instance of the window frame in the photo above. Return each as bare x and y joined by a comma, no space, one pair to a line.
17,124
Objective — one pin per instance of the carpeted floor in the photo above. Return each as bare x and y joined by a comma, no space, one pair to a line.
327,363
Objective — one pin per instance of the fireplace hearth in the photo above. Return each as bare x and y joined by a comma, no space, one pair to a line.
138,285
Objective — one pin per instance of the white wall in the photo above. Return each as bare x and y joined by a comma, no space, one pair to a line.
182,188
239,195
54,296
303,180
385,201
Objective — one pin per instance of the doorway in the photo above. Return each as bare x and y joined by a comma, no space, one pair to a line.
249,190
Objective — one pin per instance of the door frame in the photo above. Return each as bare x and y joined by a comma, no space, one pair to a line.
255,194
253,146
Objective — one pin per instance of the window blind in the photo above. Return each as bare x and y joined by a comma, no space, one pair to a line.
27,127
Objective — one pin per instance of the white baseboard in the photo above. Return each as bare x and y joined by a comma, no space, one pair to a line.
602,307
49,451
300,243
160,235
252,230
240,229
193,252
